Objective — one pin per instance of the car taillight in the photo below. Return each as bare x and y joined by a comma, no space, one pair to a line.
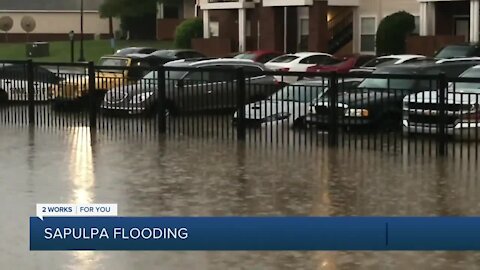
283,69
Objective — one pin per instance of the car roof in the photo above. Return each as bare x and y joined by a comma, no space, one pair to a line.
306,54
186,63
419,68
402,56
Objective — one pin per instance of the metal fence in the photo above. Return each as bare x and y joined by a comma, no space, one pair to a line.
428,114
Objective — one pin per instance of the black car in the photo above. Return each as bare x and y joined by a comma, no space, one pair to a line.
165,56
459,51
377,102
131,50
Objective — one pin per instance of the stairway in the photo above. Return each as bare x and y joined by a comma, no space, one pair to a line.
340,30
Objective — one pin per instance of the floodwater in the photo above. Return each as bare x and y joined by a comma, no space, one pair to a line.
198,177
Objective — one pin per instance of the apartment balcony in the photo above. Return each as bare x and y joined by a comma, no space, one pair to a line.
285,3
228,4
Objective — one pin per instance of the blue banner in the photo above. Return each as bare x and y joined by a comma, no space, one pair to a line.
254,233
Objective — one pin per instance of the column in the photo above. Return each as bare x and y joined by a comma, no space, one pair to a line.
474,20
242,16
318,38
206,24
423,19
356,30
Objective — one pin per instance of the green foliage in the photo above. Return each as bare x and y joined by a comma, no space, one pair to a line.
393,31
186,31
128,8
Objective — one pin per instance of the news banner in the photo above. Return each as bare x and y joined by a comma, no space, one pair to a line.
99,227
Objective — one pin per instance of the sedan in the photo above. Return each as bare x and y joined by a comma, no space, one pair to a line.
290,105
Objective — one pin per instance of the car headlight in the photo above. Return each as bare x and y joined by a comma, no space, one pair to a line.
141,98
276,117
357,113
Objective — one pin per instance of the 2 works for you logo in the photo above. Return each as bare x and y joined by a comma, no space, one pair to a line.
76,210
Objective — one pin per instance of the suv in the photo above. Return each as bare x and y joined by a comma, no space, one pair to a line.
377,101
193,85
74,89
458,51
462,120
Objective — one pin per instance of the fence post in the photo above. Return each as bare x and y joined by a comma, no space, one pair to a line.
441,136
162,106
93,95
333,110
241,96
30,93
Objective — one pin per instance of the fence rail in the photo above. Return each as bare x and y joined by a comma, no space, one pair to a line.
421,113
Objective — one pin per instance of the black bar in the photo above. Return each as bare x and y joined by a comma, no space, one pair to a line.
92,95
31,93
241,96
162,106
333,110
441,136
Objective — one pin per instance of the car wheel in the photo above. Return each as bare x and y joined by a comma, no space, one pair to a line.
299,123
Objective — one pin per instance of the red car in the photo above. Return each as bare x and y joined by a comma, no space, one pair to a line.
342,66
258,56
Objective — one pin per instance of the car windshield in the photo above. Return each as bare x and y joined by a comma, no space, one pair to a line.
455,51
284,59
468,87
170,75
248,56
298,93
380,62
384,84
113,62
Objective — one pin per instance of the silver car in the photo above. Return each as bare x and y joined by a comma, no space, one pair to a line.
462,108
193,85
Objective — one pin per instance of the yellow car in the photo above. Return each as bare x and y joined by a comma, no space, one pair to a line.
74,91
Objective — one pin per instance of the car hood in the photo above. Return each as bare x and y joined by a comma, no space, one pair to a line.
361,99
457,97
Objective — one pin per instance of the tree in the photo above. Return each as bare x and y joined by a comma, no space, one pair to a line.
393,31
186,31
137,17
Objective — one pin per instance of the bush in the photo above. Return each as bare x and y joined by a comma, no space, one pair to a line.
393,31
186,31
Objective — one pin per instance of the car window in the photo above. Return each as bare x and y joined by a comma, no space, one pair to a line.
197,77
284,59
147,50
251,71
378,62
194,55
224,74
317,59
454,51
266,57
468,87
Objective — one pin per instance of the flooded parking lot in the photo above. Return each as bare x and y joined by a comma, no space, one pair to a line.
184,176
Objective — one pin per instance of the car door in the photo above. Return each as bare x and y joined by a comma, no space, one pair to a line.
310,61
192,91
222,87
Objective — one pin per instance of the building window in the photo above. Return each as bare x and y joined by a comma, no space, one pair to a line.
171,12
214,29
367,34
304,32
248,28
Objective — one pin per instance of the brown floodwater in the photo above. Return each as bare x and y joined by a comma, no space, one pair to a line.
182,176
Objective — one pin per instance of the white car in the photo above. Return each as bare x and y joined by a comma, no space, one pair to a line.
298,62
292,103
388,60
14,83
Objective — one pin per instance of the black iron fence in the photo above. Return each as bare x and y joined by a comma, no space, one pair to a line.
428,114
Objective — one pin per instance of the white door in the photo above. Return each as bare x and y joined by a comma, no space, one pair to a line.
462,28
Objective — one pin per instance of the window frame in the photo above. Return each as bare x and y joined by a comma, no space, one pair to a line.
361,34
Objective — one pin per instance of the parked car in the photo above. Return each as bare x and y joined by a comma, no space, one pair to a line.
165,56
73,92
131,50
377,102
462,120
342,65
298,62
194,89
14,83
458,51
258,56
383,61
289,105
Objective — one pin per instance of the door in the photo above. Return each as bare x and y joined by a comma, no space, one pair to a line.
462,28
